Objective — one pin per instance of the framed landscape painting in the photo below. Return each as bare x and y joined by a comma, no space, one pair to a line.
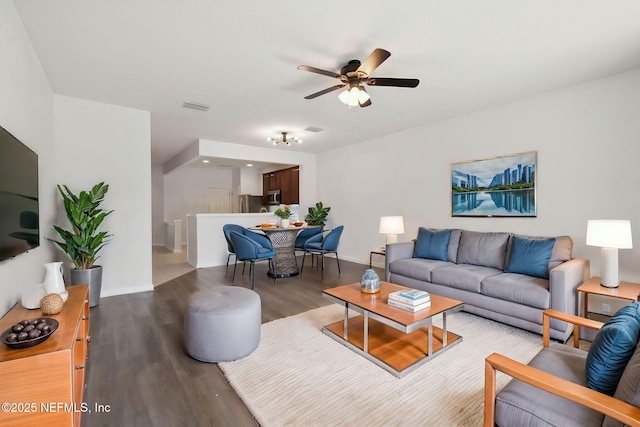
502,186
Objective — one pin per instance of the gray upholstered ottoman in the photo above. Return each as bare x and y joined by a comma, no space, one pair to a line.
222,324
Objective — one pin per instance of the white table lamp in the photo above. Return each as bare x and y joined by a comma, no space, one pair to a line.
391,226
610,235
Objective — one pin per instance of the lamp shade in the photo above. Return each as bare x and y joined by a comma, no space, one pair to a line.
609,233
391,225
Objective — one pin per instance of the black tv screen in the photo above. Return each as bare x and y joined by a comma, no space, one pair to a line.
19,223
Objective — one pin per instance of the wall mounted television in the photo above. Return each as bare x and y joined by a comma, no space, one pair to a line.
19,214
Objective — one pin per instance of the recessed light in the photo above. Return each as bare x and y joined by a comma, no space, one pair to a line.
249,165
205,161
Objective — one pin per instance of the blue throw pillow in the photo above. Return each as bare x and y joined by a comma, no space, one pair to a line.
530,256
612,348
432,244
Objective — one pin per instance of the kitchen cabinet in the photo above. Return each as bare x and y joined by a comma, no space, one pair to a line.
286,194
295,185
265,188
285,180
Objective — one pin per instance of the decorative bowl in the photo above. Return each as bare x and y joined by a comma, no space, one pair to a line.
30,342
298,223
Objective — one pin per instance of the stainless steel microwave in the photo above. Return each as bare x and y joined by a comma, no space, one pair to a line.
273,197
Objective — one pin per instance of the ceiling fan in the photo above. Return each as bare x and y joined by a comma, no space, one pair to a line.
354,74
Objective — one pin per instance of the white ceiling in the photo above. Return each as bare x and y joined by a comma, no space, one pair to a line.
240,57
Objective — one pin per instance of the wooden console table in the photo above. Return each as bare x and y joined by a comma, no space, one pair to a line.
43,385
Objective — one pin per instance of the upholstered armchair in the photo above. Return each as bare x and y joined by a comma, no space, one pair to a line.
322,245
261,239
248,250
563,385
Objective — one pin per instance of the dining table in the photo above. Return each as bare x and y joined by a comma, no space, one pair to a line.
283,240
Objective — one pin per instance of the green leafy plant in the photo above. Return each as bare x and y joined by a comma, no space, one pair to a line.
83,243
317,214
283,212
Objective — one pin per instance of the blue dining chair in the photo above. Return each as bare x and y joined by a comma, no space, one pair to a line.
247,250
317,245
261,239
305,235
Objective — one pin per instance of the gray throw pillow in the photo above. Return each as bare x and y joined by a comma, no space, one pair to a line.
484,249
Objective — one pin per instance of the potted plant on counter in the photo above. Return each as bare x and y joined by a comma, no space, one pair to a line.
83,242
283,212
317,214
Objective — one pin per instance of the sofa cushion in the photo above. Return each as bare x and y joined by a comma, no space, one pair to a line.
519,288
530,256
519,404
416,268
628,389
432,244
612,348
463,276
485,249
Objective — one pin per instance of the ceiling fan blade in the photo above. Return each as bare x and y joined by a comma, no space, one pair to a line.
318,71
385,81
322,92
377,57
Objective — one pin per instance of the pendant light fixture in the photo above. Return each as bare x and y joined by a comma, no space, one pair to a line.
284,139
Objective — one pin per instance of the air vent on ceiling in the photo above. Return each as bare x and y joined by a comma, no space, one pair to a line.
313,129
195,105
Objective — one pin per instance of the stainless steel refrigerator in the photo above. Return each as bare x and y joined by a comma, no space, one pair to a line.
251,204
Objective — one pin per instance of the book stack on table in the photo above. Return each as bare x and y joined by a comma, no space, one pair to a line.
410,300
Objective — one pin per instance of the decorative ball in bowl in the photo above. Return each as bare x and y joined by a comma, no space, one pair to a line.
29,332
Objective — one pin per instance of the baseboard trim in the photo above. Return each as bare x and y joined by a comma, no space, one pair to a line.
124,291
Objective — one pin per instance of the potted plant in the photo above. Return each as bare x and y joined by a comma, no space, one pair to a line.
283,212
317,214
83,242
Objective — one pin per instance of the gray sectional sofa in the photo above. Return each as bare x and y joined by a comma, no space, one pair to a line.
502,276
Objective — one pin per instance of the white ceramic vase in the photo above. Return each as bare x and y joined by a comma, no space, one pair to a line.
54,280
284,223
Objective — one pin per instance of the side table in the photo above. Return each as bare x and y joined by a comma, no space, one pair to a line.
626,290
381,251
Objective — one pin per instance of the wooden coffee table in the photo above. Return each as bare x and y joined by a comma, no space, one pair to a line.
396,340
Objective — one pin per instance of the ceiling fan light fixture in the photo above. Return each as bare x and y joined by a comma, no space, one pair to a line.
354,96
363,96
344,96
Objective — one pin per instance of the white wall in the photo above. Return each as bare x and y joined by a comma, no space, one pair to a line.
588,143
250,181
157,202
26,110
185,191
97,142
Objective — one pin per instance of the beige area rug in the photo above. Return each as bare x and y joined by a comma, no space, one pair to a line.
300,377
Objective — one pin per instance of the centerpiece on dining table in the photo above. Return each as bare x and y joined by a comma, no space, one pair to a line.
283,212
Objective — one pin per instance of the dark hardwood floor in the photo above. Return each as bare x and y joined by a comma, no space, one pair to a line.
138,368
